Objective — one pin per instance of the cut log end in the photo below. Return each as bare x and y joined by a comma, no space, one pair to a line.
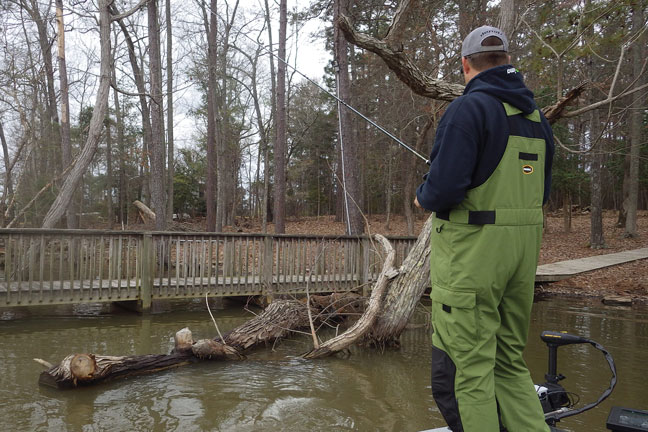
83,366
183,340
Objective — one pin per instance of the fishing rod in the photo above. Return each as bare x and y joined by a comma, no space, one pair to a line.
367,119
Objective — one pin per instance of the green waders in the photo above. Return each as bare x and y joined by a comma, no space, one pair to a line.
483,261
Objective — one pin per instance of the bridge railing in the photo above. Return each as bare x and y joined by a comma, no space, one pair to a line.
75,266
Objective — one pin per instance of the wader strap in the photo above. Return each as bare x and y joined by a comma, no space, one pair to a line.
489,217
474,217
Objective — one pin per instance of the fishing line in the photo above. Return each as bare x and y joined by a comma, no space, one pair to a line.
340,101
346,194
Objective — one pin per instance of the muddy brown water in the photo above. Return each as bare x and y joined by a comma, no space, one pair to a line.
276,390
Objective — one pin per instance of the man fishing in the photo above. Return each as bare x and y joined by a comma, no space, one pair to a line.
490,172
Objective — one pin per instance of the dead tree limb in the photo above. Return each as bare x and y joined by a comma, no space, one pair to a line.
147,214
364,324
405,291
391,52
401,64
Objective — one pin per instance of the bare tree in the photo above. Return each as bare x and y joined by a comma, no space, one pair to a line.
169,89
66,144
66,192
351,190
210,20
636,119
157,148
280,142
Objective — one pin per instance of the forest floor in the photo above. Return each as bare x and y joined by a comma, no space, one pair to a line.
628,280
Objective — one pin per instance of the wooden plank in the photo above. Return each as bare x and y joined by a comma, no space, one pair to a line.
564,269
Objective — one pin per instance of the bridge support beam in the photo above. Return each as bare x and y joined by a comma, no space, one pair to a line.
148,266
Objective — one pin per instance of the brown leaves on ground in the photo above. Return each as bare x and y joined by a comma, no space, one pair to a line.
630,279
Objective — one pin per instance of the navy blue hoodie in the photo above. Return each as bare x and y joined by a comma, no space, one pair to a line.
472,135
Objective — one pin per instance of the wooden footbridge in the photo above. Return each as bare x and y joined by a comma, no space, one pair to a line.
46,267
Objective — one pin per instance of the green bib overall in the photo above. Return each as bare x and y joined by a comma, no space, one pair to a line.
483,259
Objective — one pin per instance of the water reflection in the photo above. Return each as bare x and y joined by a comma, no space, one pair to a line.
276,390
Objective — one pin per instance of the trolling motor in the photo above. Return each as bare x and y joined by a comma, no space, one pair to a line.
556,402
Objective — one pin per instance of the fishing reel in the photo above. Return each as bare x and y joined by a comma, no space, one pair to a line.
556,402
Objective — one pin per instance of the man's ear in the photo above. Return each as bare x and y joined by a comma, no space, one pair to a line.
465,65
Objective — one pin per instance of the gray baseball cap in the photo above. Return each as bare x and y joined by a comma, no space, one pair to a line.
473,42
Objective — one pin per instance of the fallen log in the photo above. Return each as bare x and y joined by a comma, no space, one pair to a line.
77,370
277,321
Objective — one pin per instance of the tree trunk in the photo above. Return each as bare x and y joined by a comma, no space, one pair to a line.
7,192
273,115
507,18
169,88
122,198
597,241
567,212
62,201
280,143
636,126
158,148
227,153
109,176
138,75
410,160
211,26
66,145
349,153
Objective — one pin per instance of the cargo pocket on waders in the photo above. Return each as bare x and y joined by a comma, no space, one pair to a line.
454,318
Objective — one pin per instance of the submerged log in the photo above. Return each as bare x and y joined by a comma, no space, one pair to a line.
384,319
88,369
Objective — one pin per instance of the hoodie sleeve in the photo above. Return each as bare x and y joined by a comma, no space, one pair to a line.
453,157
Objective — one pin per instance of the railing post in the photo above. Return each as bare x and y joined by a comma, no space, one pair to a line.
148,262
267,281
365,247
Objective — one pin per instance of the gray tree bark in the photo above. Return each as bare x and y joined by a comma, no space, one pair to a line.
122,199
66,145
157,150
280,143
226,148
273,116
351,190
66,192
211,27
636,126
597,241
169,88
507,18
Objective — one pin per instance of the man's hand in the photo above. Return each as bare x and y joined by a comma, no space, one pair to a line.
416,203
